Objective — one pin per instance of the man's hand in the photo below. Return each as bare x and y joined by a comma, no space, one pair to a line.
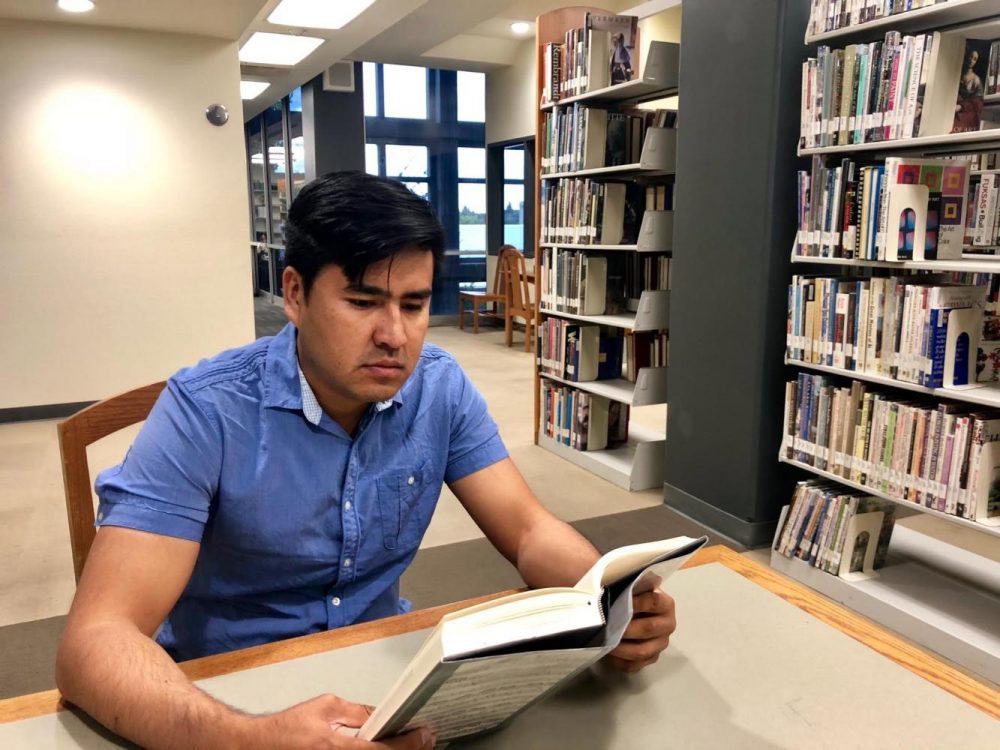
326,722
653,621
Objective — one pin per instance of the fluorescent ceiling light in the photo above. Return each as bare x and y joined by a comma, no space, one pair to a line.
75,6
277,49
317,14
252,89
520,27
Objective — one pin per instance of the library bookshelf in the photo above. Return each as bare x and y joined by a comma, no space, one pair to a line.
931,590
638,463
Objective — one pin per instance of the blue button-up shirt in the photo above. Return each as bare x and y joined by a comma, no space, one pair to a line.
302,528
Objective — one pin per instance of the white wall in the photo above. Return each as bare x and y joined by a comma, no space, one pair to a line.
123,212
511,105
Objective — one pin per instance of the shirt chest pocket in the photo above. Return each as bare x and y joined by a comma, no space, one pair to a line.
398,495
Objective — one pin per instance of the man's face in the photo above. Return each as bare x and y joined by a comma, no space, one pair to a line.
358,343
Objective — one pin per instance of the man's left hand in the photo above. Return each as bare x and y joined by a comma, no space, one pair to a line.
653,621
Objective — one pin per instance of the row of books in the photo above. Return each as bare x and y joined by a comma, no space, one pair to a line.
896,327
831,15
586,352
983,222
866,92
581,420
579,352
906,209
581,137
938,455
816,526
584,283
586,212
603,53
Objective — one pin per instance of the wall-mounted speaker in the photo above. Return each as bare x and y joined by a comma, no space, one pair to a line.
339,77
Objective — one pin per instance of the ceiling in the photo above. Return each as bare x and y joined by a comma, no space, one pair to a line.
456,34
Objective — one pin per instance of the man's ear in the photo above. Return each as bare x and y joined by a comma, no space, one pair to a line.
294,294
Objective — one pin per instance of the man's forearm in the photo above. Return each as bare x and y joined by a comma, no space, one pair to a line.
553,553
130,685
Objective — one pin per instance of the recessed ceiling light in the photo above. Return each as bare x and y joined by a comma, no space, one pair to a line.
277,49
252,89
317,14
520,27
75,6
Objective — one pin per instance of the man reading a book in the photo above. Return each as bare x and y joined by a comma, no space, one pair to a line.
282,488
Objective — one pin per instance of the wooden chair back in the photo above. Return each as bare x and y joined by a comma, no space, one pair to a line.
75,434
499,274
519,303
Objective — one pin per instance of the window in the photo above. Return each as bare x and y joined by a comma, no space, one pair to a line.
471,96
296,141
421,130
513,196
370,87
472,199
405,91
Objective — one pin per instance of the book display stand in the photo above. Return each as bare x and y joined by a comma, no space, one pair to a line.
638,464
934,592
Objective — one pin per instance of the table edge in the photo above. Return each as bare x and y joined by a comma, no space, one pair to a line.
866,632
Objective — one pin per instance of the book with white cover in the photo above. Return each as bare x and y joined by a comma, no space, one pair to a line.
482,665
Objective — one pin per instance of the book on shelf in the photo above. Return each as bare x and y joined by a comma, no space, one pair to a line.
483,665
833,15
898,88
908,328
579,211
938,455
905,209
605,52
589,283
645,349
816,527
581,420
579,352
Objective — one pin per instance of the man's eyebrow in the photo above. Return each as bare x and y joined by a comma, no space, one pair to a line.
376,291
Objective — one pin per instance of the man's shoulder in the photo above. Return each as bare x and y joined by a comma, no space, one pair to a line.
244,365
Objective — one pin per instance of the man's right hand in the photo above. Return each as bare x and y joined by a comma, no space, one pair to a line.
321,723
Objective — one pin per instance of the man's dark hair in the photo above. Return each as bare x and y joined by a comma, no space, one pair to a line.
355,220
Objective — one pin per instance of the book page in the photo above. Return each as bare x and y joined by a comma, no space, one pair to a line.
481,694
624,561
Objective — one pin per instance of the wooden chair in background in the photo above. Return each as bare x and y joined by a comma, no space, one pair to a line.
75,434
494,299
519,304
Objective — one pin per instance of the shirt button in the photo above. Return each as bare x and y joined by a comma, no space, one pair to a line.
347,505
335,601
410,480
347,562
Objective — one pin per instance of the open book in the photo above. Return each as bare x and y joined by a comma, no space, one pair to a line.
482,665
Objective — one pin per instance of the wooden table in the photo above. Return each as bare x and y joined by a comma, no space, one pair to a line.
983,698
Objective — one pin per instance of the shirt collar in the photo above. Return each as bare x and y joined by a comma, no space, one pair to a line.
285,385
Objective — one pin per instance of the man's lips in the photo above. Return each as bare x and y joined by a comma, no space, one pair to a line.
384,369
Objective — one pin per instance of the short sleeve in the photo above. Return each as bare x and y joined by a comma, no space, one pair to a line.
169,476
475,439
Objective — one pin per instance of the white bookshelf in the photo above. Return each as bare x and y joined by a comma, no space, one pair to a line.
988,140
978,526
923,19
637,465
653,314
650,387
922,599
934,593
984,394
968,263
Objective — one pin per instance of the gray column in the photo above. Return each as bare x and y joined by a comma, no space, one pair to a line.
735,221
333,127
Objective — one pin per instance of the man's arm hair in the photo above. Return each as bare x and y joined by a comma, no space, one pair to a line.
109,665
545,550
